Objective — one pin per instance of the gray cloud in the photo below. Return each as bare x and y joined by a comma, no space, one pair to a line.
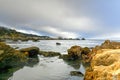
55,17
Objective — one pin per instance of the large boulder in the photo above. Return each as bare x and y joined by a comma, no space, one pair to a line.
9,57
105,65
31,51
75,52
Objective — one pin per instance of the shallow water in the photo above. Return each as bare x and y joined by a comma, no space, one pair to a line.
52,68
50,45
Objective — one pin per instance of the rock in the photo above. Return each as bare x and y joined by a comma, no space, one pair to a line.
107,45
32,61
32,51
83,39
76,73
85,50
49,53
9,57
105,65
65,57
75,52
58,43
1,52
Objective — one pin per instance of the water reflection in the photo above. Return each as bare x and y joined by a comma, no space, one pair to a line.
4,75
75,64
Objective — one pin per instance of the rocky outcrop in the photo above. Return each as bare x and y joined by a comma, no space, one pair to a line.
107,45
49,53
11,60
76,73
105,65
9,57
76,52
31,51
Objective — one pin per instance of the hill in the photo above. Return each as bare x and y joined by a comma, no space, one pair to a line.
6,33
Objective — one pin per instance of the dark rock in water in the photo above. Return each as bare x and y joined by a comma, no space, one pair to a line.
75,52
83,39
16,48
9,57
58,43
32,61
73,63
85,50
35,40
76,73
65,57
49,53
11,60
31,51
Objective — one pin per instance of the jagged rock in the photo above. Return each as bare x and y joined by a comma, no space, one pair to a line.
76,73
49,53
105,65
31,51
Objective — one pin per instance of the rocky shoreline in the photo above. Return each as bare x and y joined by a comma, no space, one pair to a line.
103,59
105,62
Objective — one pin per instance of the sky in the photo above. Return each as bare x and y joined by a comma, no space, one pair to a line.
92,19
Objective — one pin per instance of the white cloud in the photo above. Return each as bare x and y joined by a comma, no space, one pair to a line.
111,36
28,31
57,32
56,13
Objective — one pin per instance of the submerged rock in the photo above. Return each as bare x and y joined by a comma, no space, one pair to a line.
76,73
65,57
31,51
49,53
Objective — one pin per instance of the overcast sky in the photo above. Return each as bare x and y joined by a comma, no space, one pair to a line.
67,18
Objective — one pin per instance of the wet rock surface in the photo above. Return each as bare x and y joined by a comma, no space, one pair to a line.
49,53
76,73
31,51
77,52
12,60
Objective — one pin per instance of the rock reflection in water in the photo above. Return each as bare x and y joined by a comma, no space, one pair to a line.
4,75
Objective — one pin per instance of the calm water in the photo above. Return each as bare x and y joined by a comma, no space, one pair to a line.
51,68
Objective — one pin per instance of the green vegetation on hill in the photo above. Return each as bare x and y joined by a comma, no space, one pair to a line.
11,34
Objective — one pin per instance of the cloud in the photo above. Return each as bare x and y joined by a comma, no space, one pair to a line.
28,31
56,32
111,36
55,17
